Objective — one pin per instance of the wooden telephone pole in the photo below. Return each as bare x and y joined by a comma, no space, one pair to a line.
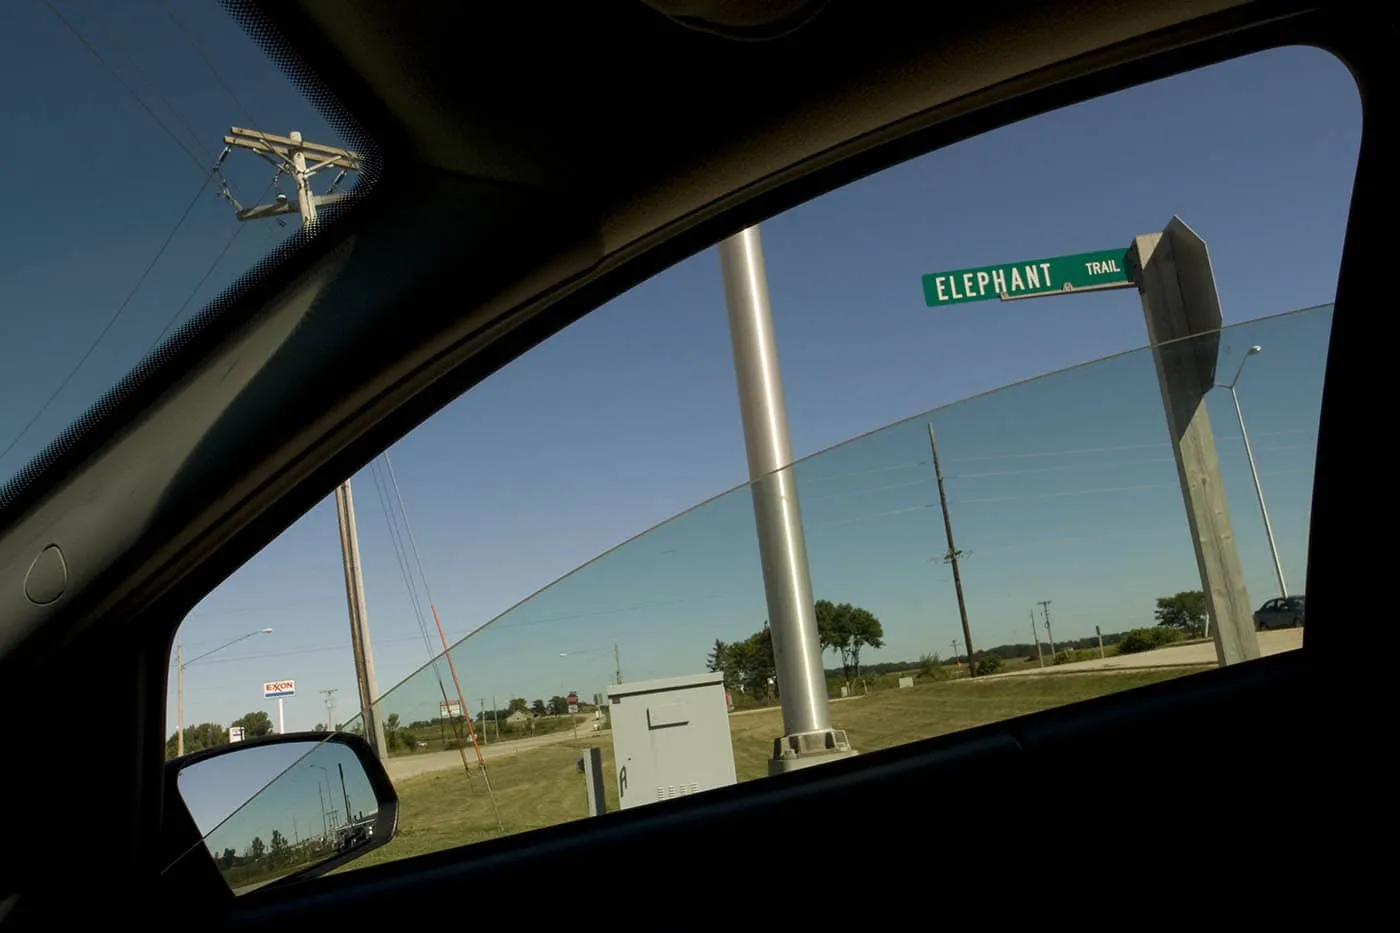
299,160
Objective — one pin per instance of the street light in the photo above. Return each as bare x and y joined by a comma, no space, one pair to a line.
180,665
1253,471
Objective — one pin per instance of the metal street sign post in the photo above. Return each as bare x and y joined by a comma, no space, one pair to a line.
1096,271
279,690
1172,272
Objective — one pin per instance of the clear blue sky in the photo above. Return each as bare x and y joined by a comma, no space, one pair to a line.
630,416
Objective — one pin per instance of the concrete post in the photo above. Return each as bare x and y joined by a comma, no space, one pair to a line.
1182,310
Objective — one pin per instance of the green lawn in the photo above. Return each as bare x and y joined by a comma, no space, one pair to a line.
542,787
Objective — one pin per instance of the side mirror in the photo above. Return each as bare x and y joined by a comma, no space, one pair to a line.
280,809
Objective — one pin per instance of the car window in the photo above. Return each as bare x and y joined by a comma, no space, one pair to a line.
987,483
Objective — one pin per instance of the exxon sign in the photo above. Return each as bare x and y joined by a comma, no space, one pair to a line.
279,688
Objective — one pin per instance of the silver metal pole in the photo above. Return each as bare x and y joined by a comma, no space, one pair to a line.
1258,491
782,546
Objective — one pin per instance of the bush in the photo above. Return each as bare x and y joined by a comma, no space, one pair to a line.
931,667
987,664
1148,639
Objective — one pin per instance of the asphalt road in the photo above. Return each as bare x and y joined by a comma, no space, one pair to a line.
1195,654
407,766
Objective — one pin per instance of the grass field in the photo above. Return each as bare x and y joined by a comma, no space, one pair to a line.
542,787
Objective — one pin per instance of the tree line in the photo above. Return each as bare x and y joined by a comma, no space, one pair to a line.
212,734
749,664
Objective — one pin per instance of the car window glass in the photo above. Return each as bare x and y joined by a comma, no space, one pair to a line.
991,506
194,186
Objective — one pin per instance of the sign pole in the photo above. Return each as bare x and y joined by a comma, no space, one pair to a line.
1182,310
1172,273
808,736
279,690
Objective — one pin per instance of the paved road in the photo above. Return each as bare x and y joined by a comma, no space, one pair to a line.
407,766
1192,655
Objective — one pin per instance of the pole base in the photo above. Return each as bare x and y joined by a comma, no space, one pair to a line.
805,749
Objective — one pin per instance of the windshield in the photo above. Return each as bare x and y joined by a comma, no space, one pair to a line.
128,228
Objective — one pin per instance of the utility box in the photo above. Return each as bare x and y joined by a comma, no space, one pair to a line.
670,738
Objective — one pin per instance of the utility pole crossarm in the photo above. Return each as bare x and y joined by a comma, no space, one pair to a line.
264,211
283,146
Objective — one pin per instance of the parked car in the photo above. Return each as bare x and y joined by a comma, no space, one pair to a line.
1280,612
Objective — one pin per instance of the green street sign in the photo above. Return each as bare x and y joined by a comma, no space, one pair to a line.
1103,269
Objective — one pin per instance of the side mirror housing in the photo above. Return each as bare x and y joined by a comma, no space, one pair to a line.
272,811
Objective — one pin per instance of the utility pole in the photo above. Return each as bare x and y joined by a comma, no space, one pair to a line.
954,643
1099,633
617,663
349,816
1044,605
953,553
292,156
330,708
1035,633
325,824
179,699
359,622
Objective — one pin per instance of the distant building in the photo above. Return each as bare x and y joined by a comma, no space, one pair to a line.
519,716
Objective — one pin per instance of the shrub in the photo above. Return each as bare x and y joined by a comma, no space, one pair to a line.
987,664
1148,639
931,667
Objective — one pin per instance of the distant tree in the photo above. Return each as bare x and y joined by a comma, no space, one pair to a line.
227,859
715,662
397,737
277,848
538,708
518,704
846,629
558,706
864,631
1185,611
930,665
257,849
988,663
197,738
255,724
750,664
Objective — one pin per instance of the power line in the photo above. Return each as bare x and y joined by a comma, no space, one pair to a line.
401,558
1098,450
1068,492
123,82
294,652
1022,455
198,50
141,280
174,111
228,244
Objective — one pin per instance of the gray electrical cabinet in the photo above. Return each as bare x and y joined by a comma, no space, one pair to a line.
670,738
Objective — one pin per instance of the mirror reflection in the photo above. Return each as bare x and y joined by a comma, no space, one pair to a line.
270,811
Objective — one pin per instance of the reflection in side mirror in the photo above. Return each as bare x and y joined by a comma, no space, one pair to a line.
286,808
